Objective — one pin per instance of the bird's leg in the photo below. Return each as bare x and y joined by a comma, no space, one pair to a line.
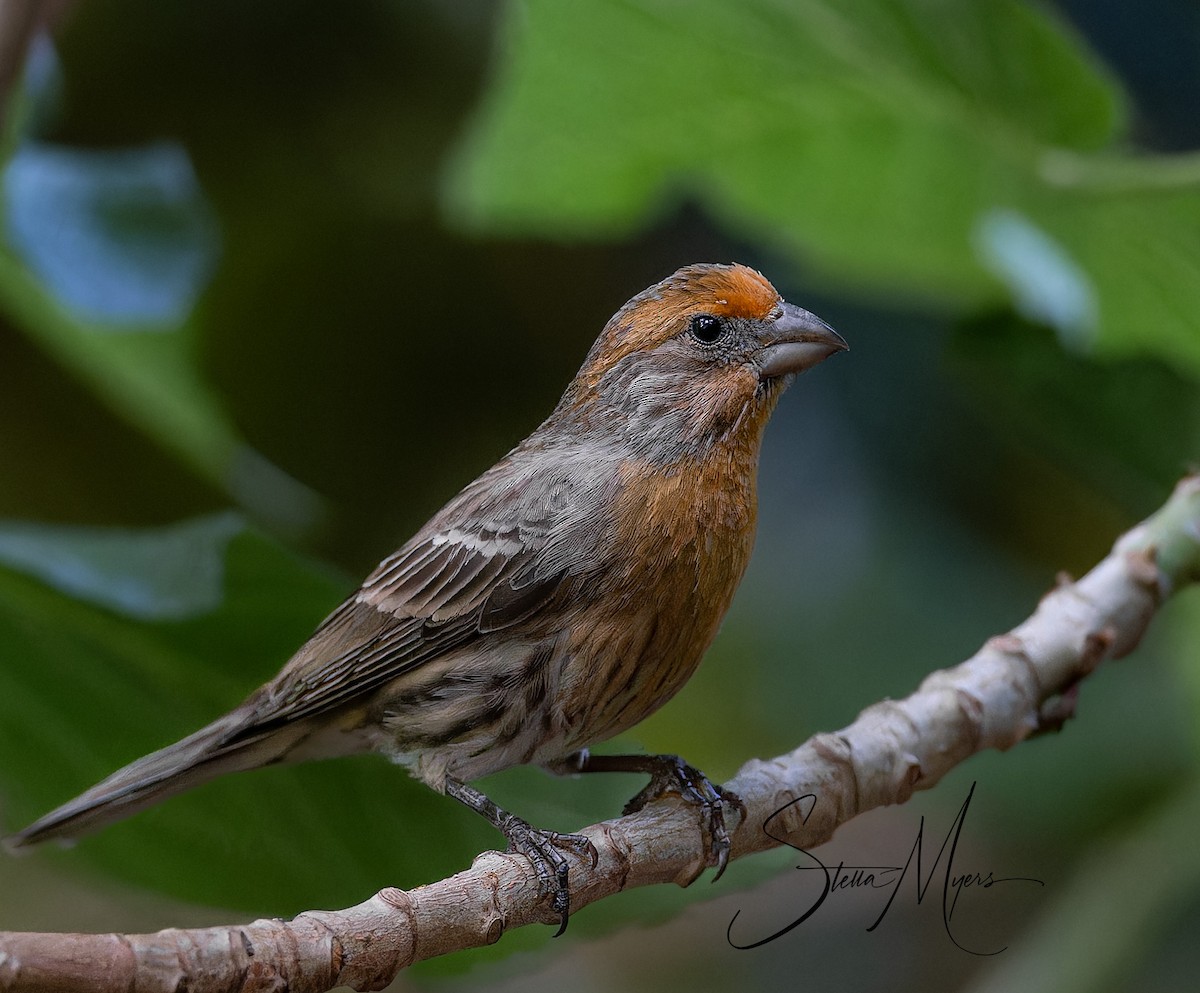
669,774
543,848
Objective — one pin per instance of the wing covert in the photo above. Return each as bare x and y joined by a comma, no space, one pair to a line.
438,593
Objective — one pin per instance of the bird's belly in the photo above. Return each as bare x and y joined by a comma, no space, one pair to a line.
626,668
678,574
478,712
472,712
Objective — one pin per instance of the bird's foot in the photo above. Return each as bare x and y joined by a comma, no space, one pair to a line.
671,774
546,850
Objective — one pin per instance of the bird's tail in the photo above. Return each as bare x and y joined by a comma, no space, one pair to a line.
221,747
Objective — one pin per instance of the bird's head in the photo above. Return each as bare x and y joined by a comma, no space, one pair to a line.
698,358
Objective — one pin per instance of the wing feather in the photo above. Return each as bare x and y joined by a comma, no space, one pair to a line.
437,594
493,557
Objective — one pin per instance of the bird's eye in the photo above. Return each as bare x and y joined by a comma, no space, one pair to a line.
706,328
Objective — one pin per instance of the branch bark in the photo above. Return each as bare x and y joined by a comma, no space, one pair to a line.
1017,684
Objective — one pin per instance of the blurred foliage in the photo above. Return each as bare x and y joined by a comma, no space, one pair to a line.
884,143
278,277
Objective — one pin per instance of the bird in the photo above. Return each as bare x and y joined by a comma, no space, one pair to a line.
552,604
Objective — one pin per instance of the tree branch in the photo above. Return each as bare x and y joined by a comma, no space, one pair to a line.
1017,684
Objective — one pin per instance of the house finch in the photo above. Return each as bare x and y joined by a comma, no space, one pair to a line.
559,599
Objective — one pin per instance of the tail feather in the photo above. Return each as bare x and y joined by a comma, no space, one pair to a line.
212,751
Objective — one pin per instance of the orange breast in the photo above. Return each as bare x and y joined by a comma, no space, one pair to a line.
685,541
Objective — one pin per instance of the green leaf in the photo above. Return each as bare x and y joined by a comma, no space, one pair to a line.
1046,285
147,378
159,573
1134,228
84,690
114,247
121,236
873,141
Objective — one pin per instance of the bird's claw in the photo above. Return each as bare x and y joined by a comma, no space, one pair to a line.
545,849
671,774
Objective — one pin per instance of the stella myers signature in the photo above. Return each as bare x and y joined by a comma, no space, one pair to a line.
886,877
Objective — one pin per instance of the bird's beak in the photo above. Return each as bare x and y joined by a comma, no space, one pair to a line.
796,341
